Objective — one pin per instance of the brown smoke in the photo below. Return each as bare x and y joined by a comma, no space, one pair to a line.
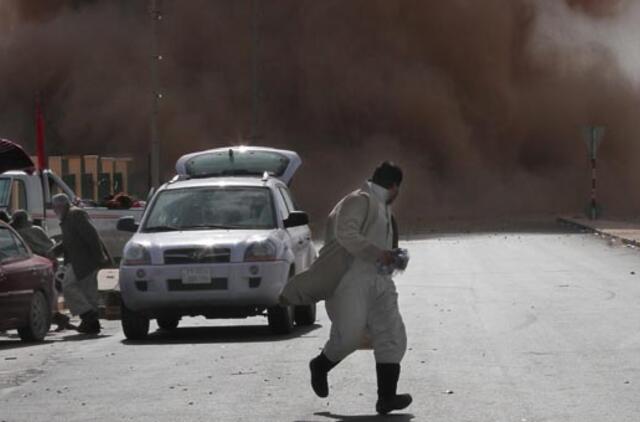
482,103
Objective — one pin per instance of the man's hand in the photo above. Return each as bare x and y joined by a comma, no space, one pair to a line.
386,258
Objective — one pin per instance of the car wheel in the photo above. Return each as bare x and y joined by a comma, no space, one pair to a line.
280,319
134,324
39,319
168,323
305,315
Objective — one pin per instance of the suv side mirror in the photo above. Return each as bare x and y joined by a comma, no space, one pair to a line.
296,219
127,224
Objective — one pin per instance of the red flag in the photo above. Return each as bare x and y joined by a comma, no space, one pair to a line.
40,136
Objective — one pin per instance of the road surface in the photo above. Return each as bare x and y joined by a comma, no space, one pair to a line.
502,327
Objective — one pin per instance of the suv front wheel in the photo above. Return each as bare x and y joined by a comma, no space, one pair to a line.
134,325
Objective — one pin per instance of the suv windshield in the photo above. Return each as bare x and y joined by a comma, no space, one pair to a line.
211,208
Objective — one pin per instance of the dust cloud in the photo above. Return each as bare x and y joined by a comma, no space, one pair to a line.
482,103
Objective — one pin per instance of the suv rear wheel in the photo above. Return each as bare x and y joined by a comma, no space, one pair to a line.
39,319
280,319
305,315
134,324
168,323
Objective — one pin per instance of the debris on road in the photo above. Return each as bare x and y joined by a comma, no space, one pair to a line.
244,373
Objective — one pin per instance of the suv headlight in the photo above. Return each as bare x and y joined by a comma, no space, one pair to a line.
265,250
136,254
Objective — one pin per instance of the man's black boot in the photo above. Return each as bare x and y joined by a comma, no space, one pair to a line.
388,399
63,322
90,323
320,367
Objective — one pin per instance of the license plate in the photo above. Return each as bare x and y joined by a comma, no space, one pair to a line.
196,276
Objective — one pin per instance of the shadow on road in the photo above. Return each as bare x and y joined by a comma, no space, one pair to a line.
230,334
8,342
403,417
82,337
12,341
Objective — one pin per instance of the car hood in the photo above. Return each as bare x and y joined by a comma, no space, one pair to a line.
202,238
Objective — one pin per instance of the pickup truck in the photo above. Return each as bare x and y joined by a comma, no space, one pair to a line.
23,190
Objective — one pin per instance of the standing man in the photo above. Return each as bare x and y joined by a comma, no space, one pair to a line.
84,255
366,302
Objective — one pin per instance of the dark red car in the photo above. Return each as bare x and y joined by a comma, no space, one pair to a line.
27,293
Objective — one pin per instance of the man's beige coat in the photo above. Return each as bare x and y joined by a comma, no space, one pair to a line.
345,238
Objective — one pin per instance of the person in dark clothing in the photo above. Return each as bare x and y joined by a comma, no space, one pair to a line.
84,255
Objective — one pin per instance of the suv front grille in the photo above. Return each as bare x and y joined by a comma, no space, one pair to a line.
197,256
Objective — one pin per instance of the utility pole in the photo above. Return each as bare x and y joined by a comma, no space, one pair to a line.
154,151
255,88
42,158
593,136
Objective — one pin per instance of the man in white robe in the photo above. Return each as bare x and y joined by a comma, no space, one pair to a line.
366,302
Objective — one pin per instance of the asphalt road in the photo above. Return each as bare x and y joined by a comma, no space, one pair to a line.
502,327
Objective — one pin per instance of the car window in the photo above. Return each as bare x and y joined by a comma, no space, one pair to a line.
286,195
212,207
54,187
22,248
5,191
235,163
18,195
10,246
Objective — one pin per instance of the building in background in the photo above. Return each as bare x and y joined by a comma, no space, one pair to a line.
93,177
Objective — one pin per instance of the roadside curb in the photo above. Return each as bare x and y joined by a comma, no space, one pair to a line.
604,233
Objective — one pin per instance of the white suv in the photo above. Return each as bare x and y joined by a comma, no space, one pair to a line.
220,240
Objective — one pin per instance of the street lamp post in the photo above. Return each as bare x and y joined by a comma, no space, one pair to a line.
255,86
593,137
154,162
